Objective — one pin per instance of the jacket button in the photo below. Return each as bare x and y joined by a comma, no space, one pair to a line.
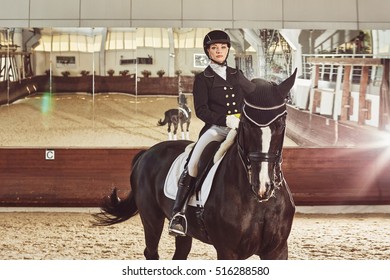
229,112
224,88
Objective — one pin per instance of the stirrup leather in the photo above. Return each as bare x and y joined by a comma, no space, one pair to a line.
176,232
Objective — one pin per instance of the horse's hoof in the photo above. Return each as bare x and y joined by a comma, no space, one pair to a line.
176,230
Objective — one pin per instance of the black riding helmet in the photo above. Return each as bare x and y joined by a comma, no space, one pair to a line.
216,36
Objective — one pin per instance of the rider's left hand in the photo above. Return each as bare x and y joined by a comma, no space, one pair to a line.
232,121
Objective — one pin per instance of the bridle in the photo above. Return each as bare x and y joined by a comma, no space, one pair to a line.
256,157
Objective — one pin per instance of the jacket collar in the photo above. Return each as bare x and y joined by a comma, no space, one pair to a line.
209,73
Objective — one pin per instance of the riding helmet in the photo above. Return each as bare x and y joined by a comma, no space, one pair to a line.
215,36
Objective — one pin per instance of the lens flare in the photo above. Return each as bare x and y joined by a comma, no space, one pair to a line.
46,103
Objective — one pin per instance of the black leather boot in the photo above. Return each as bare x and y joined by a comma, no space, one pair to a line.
178,223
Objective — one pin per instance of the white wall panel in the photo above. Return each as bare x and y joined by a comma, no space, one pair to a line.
320,10
208,23
155,23
258,10
14,23
105,23
54,23
374,10
152,9
208,10
55,9
277,24
374,25
302,24
105,9
294,14
16,9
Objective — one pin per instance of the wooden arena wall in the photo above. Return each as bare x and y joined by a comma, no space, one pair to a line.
82,177
12,91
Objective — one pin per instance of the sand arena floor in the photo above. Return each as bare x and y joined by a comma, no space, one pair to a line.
70,235
118,120
83,120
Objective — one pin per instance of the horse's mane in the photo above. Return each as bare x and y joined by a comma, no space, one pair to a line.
137,156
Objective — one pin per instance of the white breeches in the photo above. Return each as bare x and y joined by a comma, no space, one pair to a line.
214,133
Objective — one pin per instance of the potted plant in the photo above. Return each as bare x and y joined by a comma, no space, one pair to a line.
124,72
84,73
65,73
110,72
160,73
146,73
178,72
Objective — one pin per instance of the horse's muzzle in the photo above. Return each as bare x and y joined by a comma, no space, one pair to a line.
264,197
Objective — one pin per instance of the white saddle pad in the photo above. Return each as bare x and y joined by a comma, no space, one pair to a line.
177,167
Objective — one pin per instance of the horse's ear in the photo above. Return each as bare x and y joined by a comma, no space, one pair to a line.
286,85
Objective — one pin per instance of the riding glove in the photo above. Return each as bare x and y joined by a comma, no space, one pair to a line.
232,121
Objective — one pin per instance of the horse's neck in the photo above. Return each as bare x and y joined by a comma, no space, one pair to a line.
233,157
233,170
185,107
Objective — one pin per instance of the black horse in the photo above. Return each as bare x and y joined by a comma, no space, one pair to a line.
250,208
179,116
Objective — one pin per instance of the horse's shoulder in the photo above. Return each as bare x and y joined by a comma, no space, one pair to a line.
177,145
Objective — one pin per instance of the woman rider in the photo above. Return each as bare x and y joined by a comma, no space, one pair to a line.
218,94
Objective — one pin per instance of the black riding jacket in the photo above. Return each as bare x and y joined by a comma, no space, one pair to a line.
215,98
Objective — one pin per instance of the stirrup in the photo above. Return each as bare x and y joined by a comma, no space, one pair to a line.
177,232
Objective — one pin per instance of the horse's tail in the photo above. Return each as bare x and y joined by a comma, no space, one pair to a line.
163,122
114,210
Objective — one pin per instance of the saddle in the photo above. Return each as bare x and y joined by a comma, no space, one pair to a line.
206,168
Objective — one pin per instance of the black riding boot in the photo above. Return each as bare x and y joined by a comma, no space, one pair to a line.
178,223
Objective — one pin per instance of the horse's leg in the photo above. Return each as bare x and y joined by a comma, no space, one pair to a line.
169,131
182,129
175,126
188,130
183,247
280,253
153,227
226,255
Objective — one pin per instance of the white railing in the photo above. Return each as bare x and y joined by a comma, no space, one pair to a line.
329,72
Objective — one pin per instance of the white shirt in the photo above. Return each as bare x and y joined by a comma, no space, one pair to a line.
220,70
